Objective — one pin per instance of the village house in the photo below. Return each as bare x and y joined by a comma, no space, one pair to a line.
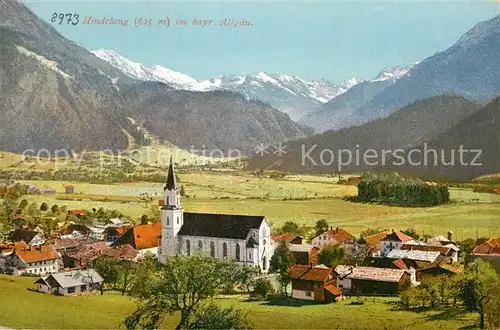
489,251
144,238
388,241
314,284
372,280
290,238
334,237
111,234
437,269
245,239
304,254
449,251
70,283
30,237
36,260
69,189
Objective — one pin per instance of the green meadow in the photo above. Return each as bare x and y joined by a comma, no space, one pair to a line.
22,308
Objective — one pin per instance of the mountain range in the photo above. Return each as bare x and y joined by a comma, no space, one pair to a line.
289,94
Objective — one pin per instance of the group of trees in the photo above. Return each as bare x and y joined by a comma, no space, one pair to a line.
478,289
402,193
184,285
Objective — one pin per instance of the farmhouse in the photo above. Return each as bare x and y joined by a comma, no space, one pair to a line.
372,280
70,283
333,236
243,238
391,241
490,252
33,260
314,283
30,237
304,254
69,189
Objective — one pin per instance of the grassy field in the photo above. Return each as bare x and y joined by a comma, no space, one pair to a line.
313,198
25,309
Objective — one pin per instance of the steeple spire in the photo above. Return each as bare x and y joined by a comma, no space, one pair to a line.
171,182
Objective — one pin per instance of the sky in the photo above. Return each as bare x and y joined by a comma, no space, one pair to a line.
312,40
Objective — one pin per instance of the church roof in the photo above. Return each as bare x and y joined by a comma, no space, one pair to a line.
170,184
219,225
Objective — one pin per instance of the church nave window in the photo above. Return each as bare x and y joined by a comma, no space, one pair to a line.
168,221
237,252
188,247
177,220
224,250
200,245
212,249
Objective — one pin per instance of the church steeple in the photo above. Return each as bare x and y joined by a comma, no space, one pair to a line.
171,183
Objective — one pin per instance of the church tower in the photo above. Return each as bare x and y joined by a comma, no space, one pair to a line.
172,216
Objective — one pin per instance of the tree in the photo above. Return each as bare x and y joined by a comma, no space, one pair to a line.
182,191
478,287
55,209
182,284
262,288
332,255
320,227
216,317
106,266
144,219
23,204
44,207
126,270
466,246
245,276
290,227
280,263
33,209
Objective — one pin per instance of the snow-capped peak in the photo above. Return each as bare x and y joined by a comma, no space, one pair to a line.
139,71
394,72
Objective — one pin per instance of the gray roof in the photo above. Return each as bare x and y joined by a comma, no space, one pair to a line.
429,256
370,273
300,247
76,278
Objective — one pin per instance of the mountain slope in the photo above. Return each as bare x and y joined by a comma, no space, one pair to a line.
471,68
478,133
212,119
409,127
338,113
57,95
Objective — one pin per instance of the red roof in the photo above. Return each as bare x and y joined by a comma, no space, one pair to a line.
69,187
36,254
308,273
491,247
141,236
333,289
77,212
398,237
339,235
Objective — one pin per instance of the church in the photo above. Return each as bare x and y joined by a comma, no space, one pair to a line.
243,238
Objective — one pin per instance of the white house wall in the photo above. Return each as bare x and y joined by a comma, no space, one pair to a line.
300,294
